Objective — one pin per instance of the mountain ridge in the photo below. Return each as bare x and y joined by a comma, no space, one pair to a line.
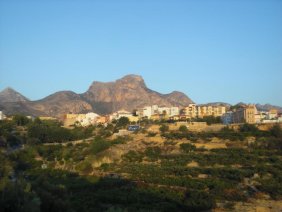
129,92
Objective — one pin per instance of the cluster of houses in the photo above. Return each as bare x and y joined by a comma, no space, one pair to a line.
153,112
242,114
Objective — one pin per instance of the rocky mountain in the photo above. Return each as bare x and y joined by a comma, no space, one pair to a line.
10,95
129,92
60,103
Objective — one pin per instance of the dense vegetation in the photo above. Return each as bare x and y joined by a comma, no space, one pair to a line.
53,174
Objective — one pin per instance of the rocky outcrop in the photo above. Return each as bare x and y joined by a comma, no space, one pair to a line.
129,92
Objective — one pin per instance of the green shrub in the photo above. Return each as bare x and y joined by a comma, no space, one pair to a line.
164,128
186,147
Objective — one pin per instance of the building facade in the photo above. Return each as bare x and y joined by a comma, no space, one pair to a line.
155,112
245,114
1,115
194,111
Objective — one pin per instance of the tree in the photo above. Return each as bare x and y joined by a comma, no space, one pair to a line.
21,120
164,128
122,122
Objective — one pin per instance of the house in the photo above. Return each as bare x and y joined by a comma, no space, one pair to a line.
82,119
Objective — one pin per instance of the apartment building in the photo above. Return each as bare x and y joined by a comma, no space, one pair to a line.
152,112
190,111
194,111
245,114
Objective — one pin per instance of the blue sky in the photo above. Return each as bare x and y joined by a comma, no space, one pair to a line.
227,51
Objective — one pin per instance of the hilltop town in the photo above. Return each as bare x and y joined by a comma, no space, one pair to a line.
221,114
201,115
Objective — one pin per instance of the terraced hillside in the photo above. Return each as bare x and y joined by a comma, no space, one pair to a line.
179,170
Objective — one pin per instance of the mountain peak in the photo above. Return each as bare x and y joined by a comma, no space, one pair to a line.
133,77
8,89
10,95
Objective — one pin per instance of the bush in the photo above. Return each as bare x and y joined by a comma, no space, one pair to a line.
186,147
183,129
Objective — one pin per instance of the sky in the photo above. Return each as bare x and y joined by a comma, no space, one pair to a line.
212,50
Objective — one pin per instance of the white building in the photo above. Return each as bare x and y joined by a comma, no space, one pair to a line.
174,111
164,110
88,119
119,114
148,111
272,114
155,109
1,115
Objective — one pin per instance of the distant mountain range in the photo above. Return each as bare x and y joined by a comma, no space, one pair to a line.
129,92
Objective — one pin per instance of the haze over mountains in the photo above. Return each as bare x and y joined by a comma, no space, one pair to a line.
129,92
